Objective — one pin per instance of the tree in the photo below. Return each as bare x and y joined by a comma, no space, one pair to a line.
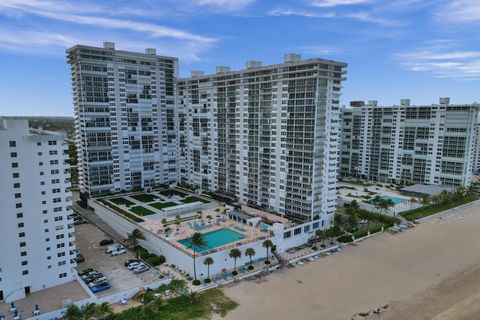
135,236
330,234
387,204
413,200
376,202
445,196
354,206
208,262
72,313
235,254
88,311
425,200
250,252
352,220
267,244
103,310
197,242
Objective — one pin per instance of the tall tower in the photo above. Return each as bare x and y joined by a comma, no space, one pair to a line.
125,121
36,232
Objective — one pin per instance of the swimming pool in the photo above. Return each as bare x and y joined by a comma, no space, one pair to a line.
395,200
214,239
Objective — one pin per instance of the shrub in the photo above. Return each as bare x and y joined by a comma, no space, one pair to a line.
250,267
207,280
345,239
314,248
234,273
196,282
267,262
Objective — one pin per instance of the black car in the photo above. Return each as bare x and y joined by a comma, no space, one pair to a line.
131,261
79,258
106,242
85,271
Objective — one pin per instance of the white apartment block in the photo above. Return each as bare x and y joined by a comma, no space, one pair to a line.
124,118
430,144
36,233
266,135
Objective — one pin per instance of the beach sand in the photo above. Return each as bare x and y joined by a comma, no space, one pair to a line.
430,272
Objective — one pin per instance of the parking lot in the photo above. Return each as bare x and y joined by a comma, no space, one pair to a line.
120,278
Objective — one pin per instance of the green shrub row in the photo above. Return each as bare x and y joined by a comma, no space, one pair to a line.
121,211
150,258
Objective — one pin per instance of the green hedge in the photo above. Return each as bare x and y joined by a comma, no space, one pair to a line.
121,211
387,220
433,209
150,258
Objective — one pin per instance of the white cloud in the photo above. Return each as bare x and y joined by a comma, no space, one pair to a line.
363,16
224,5
335,3
460,11
443,62
302,13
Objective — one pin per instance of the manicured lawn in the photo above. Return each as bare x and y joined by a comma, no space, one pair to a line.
141,211
144,197
123,201
186,307
121,211
194,199
430,210
161,205
171,193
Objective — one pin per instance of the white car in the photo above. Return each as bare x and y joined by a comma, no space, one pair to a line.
97,282
141,269
134,265
113,248
118,252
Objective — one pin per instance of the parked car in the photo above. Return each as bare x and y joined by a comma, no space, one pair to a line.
100,287
79,258
112,248
134,265
96,282
106,242
88,274
85,271
79,221
140,269
131,261
118,252
93,277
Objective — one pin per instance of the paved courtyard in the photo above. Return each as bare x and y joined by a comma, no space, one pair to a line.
48,300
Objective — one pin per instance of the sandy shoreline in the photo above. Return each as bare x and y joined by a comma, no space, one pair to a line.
432,272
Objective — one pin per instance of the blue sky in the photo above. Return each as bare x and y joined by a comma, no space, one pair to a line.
418,49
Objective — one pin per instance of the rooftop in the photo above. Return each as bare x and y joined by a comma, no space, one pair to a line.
426,189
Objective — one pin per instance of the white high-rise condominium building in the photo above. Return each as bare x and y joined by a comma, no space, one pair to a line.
124,118
36,233
266,135
430,144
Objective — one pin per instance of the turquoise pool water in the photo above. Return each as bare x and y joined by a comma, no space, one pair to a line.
214,239
395,200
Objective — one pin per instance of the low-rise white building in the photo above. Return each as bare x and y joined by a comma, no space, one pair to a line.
428,144
36,233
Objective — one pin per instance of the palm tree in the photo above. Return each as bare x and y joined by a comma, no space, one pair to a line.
250,252
387,205
413,200
354,206
208,261
103,310
197,242
88,311
425,200
444,196
235,254
135,236
376,202
267,244
352,220
72,313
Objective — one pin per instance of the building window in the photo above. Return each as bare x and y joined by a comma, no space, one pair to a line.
287,234
16,175
25,272
24,263
23,244
23,253
62,275
16,185
13,154
21,234
14,164
19,215
18,205
18,195
21,225
13,144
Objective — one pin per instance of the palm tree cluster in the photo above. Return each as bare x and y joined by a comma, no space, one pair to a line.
382,204
88,311
446,197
